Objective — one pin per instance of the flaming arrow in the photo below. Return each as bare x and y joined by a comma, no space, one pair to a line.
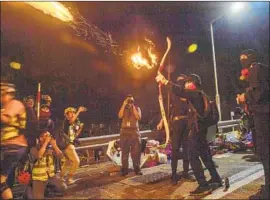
160,97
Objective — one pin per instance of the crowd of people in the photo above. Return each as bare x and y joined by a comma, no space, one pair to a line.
189,121
29,133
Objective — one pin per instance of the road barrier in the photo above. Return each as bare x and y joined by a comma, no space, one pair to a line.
102,141
228,124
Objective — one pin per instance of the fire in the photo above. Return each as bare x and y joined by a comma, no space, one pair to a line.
138,61
54,9
153,57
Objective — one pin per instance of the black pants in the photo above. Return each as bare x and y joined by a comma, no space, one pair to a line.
11,178
198,148
130,143
261,122
179,138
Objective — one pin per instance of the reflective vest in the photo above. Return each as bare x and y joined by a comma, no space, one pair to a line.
43,168
12,129
73,129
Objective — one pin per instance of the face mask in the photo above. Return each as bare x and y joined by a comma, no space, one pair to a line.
45,115
191,86
244,74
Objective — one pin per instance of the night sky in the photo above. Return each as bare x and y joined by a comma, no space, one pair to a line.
77,72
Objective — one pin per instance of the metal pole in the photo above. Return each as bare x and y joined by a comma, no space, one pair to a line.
215,71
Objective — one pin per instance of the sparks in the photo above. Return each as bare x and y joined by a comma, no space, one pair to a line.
79,24
54,9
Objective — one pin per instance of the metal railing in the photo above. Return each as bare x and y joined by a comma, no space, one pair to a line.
103,141
228,124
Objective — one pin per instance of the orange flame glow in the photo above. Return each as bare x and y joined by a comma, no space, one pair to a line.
138,61
54,9
153,57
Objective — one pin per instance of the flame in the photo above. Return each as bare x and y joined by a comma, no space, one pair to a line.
153,57
54,9
138,61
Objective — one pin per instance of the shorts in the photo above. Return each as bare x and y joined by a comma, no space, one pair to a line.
10,157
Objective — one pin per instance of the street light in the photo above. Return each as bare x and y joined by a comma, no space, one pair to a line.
236,7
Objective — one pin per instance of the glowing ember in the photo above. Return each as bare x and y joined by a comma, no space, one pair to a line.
54,9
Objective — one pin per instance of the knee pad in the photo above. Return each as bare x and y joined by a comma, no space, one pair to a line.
3,187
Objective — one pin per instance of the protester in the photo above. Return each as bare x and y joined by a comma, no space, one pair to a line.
72,128
13,142
179,123
197,144
31,123
256,97
43,172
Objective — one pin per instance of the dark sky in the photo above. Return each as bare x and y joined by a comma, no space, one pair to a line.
98,80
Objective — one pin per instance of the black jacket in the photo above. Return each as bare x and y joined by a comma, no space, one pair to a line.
194,98
178,105
257,92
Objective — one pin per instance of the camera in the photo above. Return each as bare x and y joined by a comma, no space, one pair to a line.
128,106
130,101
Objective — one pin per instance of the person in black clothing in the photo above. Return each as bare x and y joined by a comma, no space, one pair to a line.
31,124
197,143
34,126
178,118
256,96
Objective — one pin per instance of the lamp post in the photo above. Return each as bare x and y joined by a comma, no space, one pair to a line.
235,8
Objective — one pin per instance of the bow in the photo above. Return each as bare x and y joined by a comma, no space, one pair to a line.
160,97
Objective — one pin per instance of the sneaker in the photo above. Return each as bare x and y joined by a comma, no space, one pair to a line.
188,178
201,190
218,183
123,173
139,173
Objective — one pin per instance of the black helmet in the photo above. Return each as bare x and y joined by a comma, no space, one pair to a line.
195,79
247,57
181,79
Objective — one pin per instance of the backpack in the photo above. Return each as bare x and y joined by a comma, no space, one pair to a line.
61,137
211,114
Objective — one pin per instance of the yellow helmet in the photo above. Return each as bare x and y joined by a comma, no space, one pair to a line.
70,109
7,88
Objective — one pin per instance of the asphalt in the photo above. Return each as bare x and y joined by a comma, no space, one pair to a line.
103,181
